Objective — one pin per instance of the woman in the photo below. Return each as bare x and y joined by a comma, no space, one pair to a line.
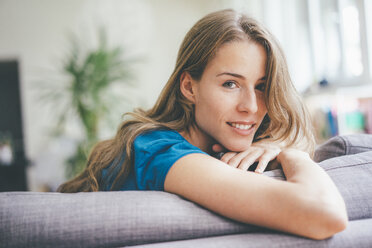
230,90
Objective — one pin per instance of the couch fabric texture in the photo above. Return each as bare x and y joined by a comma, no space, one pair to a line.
160,219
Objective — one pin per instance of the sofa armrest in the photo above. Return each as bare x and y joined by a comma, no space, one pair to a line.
343,145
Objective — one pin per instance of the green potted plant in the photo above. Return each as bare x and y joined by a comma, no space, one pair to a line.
90,73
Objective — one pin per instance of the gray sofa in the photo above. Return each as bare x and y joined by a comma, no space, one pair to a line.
159,219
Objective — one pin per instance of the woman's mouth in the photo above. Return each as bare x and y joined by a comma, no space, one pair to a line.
241,126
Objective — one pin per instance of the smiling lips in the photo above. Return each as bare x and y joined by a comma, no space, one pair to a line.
241,126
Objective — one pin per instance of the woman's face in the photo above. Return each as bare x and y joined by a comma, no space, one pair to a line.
229,97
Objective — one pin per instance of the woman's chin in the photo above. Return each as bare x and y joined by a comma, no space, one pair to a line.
237,147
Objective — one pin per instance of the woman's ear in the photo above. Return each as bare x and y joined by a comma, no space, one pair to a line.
187,85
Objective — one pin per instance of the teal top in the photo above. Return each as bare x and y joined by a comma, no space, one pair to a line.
154,154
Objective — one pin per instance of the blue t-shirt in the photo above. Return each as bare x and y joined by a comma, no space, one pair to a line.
154,154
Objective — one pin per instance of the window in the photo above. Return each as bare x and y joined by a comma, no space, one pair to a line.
368,21
340,40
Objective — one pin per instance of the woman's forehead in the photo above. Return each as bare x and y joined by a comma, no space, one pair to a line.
239,57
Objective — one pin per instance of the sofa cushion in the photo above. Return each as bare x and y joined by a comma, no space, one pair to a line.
105,219
352,175
357,234
343,145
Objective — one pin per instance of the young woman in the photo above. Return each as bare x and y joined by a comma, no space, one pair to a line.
230,91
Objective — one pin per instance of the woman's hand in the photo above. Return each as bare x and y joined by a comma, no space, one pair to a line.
264,152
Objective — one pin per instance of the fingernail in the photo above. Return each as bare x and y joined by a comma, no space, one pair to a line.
259,171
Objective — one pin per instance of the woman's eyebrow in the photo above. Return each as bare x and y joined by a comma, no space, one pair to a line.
231,74
238,75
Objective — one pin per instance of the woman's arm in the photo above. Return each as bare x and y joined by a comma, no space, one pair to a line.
308,204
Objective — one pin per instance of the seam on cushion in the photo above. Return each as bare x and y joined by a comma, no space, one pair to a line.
198,237
363,147
361,218
351,165
332,153
343,138
328,155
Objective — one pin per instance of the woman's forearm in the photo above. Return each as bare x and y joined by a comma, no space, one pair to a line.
314,187
299,168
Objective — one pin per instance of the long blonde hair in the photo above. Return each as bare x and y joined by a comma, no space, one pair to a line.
286,119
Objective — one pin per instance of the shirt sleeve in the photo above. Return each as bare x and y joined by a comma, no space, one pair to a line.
155,153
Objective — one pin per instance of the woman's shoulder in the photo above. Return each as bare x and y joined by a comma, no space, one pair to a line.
163,141
155,152
159,134
159,138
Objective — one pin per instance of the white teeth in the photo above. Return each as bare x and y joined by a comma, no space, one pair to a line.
241,126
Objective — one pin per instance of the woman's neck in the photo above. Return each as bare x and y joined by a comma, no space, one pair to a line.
198,138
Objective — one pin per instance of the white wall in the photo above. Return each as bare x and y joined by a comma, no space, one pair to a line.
35,32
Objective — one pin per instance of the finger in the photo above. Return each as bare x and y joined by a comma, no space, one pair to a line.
226,158
265,159
236,160
250,158
262,164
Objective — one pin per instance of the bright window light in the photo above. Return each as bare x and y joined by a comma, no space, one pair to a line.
351,37
368,9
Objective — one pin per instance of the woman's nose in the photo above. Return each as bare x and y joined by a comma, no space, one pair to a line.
248,102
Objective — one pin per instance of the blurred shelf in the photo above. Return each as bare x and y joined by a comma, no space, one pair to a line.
340,110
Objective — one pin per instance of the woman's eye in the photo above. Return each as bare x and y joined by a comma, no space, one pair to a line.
229,84
261,87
